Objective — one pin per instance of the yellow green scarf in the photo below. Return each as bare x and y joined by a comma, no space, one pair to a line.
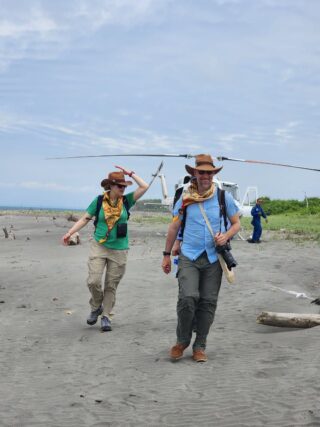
191,195
111,212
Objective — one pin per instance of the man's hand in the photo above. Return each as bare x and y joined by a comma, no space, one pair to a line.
220,239
166,264
176,248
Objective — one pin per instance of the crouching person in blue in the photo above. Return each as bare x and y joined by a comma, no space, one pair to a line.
257,212
199,271
109,247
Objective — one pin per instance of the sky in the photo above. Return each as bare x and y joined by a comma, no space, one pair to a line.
234,78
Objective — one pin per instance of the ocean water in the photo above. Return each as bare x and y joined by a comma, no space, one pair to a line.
33,208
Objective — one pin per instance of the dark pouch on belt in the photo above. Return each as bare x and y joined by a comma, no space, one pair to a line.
122,229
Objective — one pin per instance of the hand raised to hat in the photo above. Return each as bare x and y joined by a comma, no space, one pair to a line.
125,171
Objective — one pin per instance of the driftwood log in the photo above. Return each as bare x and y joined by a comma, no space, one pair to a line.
72,218
289,320
9,234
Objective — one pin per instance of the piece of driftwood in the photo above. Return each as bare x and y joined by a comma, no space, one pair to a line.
72,218
9,234
289,320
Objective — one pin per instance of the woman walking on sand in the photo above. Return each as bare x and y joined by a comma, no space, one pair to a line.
109,248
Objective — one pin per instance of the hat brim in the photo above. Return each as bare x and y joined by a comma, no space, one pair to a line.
209,168
107,181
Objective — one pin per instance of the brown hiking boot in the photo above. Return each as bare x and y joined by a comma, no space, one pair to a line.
199,356
176,351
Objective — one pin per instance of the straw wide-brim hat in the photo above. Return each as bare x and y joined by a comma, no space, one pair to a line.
115,178
203,162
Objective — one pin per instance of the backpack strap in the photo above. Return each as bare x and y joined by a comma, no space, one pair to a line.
222,207
177,195
126,205
96,215
99,204
183,223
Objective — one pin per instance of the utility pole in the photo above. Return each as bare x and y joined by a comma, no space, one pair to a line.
306,200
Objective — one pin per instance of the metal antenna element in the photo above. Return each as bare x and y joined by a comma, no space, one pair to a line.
221,159
187,156
154,175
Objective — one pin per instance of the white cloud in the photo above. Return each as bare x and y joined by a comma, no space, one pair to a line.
37,23
117,12
286,133
79,139
35,185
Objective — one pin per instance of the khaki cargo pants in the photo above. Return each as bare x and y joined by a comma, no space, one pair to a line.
113,262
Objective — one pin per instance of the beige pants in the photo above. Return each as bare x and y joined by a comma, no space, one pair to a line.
114,264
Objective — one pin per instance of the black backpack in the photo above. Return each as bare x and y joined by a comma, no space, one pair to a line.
99,204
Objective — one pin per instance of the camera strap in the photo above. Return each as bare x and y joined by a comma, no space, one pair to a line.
228,273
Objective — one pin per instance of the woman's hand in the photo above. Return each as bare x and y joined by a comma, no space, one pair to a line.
65,239
125,171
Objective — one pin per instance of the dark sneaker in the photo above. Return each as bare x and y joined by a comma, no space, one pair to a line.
93,316
105,324
177,350
199,355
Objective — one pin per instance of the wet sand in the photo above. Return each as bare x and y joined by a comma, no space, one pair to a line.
58,371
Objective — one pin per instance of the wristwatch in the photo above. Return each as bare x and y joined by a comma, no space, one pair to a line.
164,253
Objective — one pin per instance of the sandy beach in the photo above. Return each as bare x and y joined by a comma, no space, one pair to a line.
58,371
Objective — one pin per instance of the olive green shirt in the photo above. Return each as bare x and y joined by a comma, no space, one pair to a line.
113,242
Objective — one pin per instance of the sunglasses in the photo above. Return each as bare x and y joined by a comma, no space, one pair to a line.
121,186
205,172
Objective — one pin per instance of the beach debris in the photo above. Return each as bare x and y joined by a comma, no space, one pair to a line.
98,400
55,299
74,239
296,294
315,301
21,306
289,320
68,312
9,234
2,302
72,218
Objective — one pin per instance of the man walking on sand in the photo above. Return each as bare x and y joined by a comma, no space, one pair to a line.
199,271
257,212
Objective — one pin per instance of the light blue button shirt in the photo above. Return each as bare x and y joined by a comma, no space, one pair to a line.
196,236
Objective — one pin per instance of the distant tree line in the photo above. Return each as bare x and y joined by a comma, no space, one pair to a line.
309,206
151,205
